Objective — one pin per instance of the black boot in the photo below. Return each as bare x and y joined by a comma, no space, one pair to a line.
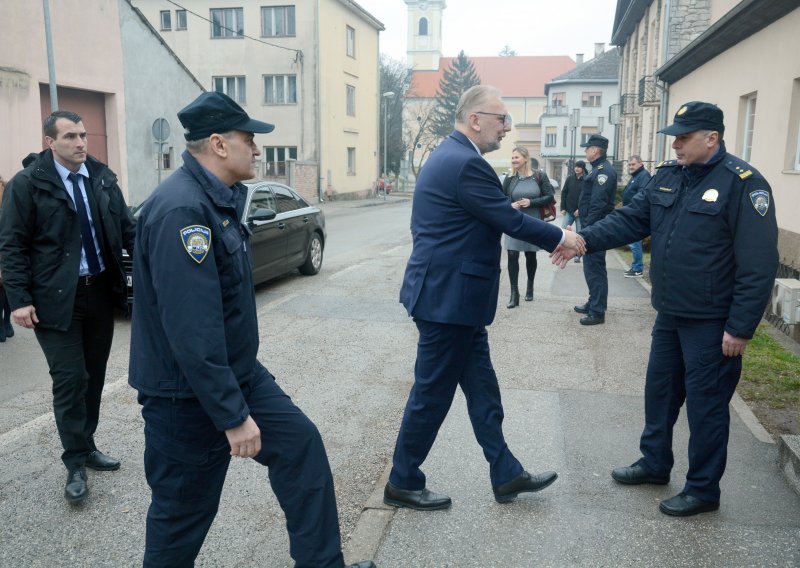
529,291
514,301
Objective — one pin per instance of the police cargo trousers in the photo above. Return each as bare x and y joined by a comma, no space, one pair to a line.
594,270
186,460
687,365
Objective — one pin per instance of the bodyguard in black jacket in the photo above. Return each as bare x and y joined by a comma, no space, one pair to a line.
63,227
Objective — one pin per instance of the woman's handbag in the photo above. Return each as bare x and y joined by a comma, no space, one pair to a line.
548,212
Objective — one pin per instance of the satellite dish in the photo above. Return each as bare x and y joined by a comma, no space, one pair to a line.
160,129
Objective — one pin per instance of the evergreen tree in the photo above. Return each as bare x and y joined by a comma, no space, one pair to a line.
457,78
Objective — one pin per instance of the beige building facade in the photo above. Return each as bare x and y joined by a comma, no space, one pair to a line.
310,68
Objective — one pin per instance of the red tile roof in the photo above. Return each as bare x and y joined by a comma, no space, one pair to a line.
515,76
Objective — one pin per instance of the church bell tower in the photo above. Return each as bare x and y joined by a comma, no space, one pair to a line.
425,34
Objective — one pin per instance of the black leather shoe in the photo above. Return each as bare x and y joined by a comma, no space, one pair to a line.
421,500
583,309
98,461
76,489
364,564
524,483
683,505
593,319
637,475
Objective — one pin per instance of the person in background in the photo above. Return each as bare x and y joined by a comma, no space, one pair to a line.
639,178
528,190
571,196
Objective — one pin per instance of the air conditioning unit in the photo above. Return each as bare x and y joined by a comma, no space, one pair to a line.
786,299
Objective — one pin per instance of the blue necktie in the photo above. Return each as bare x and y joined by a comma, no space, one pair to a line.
86,227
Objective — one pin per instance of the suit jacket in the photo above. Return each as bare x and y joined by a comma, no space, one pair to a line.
458,216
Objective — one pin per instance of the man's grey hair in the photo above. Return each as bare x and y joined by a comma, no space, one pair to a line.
473,98
199,146
636,158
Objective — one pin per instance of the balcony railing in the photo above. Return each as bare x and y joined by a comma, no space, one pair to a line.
557,110
627,104
648,91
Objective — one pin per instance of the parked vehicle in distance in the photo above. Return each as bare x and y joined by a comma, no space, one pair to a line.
286,233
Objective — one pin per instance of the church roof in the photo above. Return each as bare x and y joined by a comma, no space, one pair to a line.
515,76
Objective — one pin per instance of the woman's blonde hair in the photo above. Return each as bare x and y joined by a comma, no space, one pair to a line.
526,169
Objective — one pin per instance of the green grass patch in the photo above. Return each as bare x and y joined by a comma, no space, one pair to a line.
627,257
770,374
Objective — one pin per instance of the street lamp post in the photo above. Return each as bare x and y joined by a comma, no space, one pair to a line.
574,121
385,96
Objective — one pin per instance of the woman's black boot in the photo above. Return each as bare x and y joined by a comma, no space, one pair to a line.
514,301
529,291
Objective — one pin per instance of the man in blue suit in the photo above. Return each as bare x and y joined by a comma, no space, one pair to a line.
450,289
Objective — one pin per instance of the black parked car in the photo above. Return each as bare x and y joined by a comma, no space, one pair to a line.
287,233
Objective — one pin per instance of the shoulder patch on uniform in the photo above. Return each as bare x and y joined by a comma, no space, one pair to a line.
666,163
196,241
760,201
740,168
746,174
601,178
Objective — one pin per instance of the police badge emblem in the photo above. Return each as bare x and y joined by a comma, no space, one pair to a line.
760,201
196,240
601,179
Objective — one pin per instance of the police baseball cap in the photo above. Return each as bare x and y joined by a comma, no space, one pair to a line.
217,113
694,116
596,140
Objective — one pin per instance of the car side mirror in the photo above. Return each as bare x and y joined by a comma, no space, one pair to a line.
261,215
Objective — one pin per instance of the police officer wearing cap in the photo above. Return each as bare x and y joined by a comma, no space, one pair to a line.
194,340
713,259
597,201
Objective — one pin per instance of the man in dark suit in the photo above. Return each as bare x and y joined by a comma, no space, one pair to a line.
64,224
450,289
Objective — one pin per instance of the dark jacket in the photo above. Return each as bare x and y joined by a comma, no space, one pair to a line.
599,192
571,194
194,331
714,240
638,181
40,237
546,196
458,216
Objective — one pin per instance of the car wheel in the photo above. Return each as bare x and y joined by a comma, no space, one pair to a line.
313,257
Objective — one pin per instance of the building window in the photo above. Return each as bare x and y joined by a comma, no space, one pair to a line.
275,158
559,99
166,158
423,26
280,89
351,161
351,42
749,122
227,23
550,136
180,20
351,100
277,21
166,20
586,132
564,135
591,98
233,86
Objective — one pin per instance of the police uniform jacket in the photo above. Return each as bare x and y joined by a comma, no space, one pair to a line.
458,216
636,184
714,240
599,192
40,237
194,330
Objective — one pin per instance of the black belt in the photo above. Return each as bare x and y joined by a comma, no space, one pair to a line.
89,279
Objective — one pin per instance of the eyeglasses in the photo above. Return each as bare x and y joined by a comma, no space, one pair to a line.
506,118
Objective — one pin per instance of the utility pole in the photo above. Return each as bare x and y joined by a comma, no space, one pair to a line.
51,64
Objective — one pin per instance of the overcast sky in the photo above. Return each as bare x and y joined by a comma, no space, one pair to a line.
483,27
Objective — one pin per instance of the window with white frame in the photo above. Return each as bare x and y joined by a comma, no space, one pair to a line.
275,159
351,161
564,135
351,42
749,124
351,100
165,155
591,98
180,20
586,132
233,86
280,89
227,23
423,26
277,21
550,136
558,99
166,20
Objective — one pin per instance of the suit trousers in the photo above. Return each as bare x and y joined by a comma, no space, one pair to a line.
687,364
186,460
594,270
77,360
449,356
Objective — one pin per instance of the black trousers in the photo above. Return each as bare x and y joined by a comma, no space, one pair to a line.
77,359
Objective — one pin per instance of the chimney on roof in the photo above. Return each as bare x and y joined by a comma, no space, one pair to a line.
599,48
578,58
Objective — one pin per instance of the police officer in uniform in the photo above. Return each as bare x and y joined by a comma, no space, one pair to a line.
194,340
714,256
597,201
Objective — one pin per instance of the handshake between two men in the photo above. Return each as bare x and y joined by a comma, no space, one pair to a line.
573,245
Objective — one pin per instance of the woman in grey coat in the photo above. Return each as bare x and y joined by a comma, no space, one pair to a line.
529,190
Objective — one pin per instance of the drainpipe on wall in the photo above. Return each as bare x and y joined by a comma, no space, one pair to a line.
51,64
317,114
662,111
